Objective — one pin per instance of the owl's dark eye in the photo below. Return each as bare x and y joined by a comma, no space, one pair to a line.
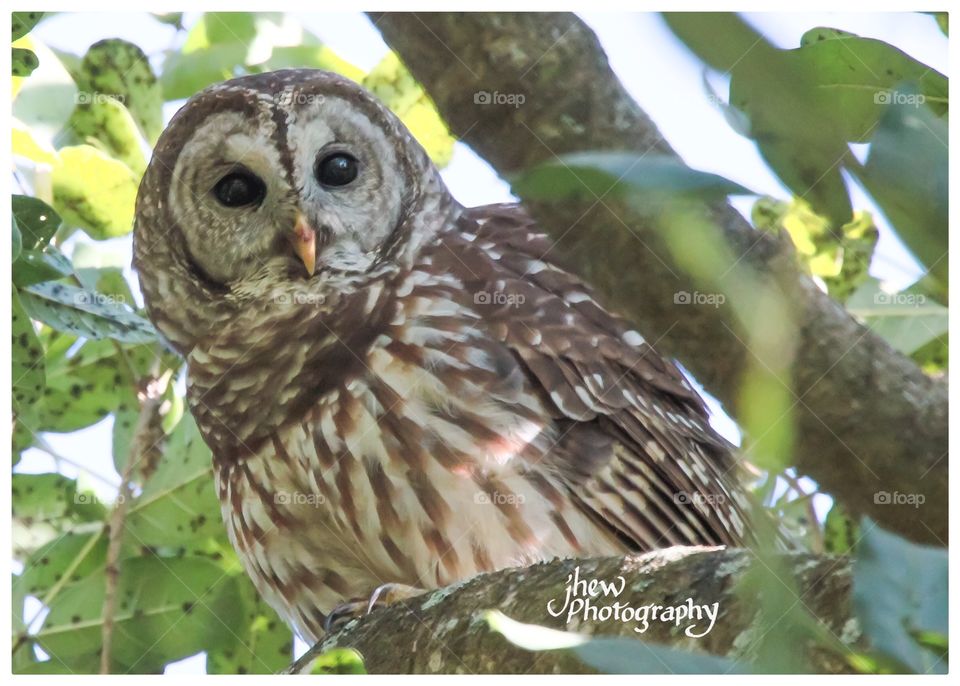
337,169
238,189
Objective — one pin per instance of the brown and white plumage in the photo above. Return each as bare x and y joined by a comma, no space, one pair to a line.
437,400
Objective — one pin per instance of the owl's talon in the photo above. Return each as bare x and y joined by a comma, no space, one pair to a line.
390,593
383,595
343,613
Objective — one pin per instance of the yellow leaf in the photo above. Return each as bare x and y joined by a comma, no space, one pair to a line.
94,191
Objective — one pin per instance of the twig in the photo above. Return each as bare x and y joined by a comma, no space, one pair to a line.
146,436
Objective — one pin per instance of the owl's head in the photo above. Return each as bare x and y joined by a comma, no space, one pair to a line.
279,177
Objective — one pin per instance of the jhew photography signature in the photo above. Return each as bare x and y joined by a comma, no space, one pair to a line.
596,600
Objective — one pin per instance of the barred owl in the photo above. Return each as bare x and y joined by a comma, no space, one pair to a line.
395,388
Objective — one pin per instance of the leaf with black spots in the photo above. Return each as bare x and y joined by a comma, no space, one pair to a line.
85,313
179,502
22,23
28,372
121,70
167,609
264,642
24,61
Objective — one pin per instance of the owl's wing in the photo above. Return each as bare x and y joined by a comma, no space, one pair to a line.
634,444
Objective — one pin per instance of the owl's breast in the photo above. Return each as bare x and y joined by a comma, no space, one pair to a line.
423,470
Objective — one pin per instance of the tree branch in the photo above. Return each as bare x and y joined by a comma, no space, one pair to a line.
868,420
443,631
143,454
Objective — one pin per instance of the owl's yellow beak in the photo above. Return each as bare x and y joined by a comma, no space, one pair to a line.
304,241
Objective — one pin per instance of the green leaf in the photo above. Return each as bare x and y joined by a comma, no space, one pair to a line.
44,507
22,439
788,116
338,661
611,655
264,642
943,21
28,373
45,264
42,497
907,320
104,122
108,282
906,173
79,393
23,23
174,19
215,28
933,357
36,219
94,191
179,502
125,418
594,174
83,313
24,61
16,240
765,407
186,74
47,565
899,592
860,75
216,49
840,532
87,665
167,609
120,70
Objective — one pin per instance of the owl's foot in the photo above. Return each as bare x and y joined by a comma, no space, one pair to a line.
383,595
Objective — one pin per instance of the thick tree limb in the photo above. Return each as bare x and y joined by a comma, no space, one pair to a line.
868,421
443,631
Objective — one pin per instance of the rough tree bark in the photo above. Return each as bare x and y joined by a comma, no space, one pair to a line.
868,420
443,631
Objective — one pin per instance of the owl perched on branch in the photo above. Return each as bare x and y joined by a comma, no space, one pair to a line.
397,389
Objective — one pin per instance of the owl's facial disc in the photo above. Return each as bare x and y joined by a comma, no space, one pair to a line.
349,181
290,189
